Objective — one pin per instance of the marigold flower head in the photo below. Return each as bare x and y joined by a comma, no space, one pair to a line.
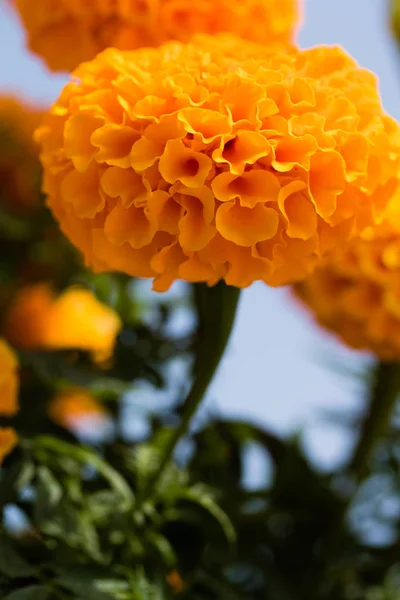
70,407
218,159
9,380
68,32
19,163
356,294
38,318
8,441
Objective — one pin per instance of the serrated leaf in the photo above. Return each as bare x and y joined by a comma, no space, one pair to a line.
14,479
80,584
90,538
11,563
48,494
74,528
102,504
143,589
200,495
144,461
32,592
163,547
88,456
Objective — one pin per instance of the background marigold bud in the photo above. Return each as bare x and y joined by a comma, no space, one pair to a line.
19,164
219,159
8,441
72,406
9,380
175,582
71,31
38,318
356,294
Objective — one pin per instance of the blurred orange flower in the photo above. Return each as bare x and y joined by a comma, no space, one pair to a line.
218,159
25,320
8,440
9,380
19,163
68,32
38,318
70,407
175,582
356,294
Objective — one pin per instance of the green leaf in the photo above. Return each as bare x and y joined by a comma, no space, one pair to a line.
89,537
101,505
200,495
87,456
163,547
143,589
15,228
15,478
48,494
33,592
74,528
145,460
82,584
11,563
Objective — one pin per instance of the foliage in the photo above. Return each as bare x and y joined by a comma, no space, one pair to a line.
114,511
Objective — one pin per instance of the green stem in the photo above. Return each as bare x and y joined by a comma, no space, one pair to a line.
217,310
385,390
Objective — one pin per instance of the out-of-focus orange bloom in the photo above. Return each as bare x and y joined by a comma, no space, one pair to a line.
218,159
19,164
9,386
37,318
68,32
175,582
25,322
9,380
70,407
356,294
8,441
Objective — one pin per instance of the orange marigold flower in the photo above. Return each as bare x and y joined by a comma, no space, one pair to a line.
175,582
68,32
8,440
38,318
19,162
69,408
24,324
356,294
9,380
218,159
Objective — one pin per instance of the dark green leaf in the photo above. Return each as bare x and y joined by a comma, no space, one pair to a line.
11,563
14,479
81,584
33,592
48,494
89,457
200,495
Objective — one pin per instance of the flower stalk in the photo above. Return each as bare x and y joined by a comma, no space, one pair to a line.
217,312
384,392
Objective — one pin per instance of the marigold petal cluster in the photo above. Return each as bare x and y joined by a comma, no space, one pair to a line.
70,407
218,159
356,293
69,32
38,318
19,163
8,441
9,380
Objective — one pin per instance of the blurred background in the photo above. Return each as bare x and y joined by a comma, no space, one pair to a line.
280,370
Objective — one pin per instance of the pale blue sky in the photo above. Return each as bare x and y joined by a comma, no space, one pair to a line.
275,370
